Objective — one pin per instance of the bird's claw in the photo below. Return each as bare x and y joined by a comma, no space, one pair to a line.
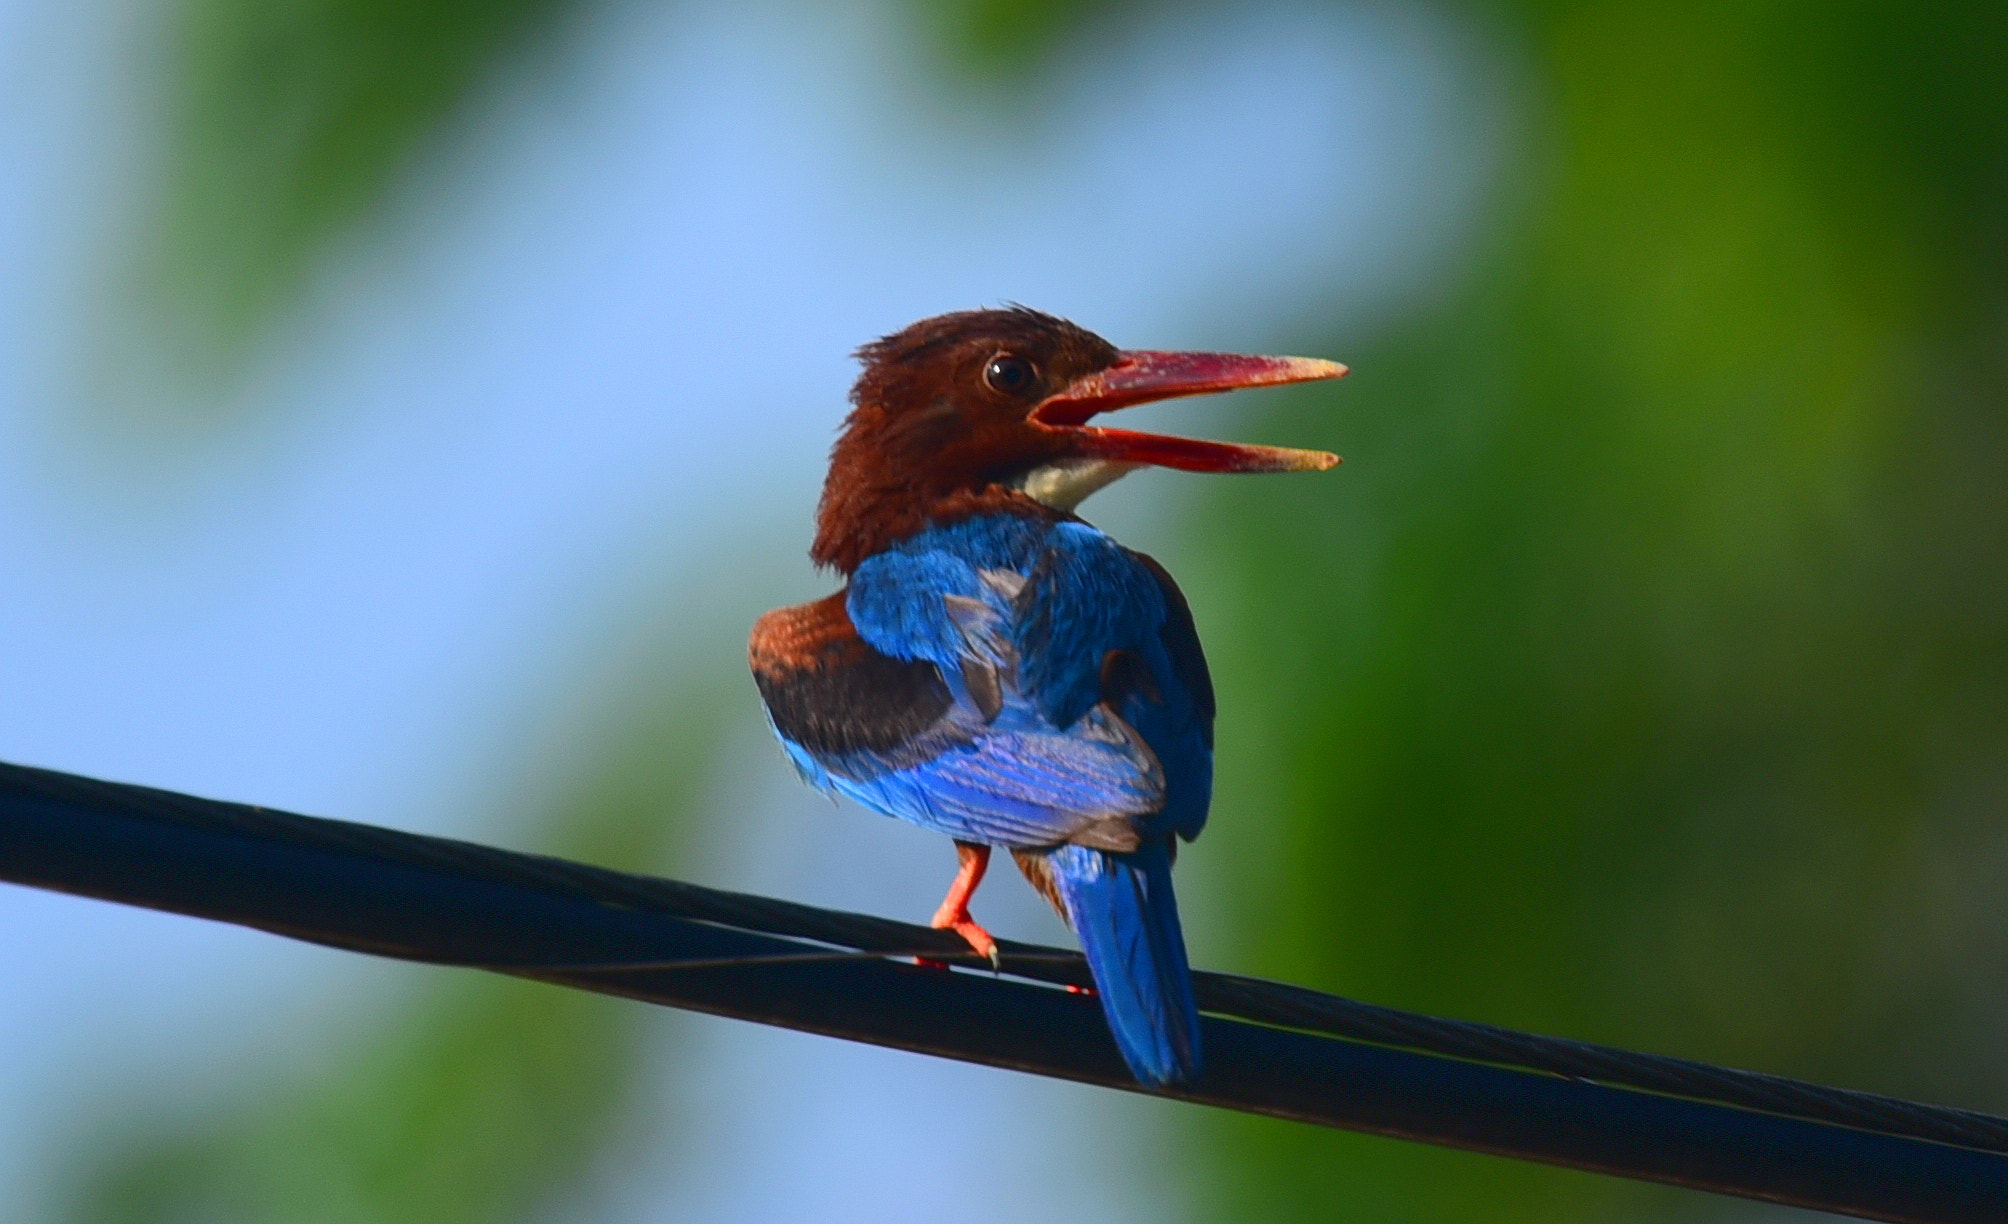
979,939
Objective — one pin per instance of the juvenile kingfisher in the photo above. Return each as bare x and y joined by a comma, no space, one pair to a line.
998,670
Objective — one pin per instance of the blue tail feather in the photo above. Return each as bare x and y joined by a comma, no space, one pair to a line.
1121,906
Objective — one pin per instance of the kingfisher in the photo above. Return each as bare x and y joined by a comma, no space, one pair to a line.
998,670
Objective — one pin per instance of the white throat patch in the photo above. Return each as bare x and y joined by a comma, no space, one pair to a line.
1067,484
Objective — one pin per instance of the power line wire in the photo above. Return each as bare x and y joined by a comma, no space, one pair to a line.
1271,1047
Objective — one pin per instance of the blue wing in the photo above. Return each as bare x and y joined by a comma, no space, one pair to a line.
1000,686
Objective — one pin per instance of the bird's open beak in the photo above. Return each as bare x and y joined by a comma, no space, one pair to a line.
1141,376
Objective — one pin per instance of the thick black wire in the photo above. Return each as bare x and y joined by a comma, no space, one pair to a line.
1264,1002
846,936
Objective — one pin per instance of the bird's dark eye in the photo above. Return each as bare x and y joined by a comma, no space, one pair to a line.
1009,374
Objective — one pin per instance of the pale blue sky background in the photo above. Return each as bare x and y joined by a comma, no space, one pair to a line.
583,381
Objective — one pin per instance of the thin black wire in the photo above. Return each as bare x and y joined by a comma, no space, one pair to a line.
307,878
1286,1006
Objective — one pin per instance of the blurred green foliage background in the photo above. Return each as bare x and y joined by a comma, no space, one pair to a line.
1660,692
1643,677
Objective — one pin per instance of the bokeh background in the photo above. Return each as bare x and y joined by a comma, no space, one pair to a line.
405,408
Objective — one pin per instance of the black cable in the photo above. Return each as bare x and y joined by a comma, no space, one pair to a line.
1441,1081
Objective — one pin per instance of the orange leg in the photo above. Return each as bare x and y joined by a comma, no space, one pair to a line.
954,912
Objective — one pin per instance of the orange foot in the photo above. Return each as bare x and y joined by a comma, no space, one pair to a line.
954,912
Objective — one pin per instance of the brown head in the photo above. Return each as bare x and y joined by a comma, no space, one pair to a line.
989,408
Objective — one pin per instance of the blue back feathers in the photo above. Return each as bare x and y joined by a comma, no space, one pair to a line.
1077,730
